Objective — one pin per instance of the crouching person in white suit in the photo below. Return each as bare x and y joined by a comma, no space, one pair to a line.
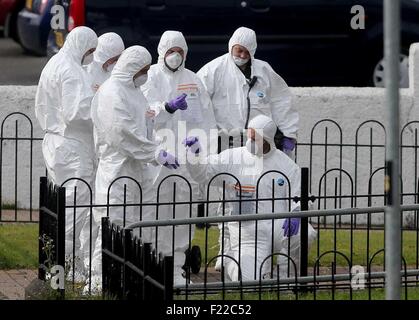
256,166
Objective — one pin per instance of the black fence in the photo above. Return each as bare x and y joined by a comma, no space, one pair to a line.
337,179
51,230
356,158
318,265
131,270
313,268
20,169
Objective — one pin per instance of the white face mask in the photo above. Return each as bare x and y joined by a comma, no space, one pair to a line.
254,148
239,61
174,60
87,59
139,81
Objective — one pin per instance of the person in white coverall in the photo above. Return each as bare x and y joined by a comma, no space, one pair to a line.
118,114
249,164
241,87
181,107
109,48
62,107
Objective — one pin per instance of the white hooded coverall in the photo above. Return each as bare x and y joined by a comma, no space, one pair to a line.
62,107
228,89
249,169
162,86
109,45
118,114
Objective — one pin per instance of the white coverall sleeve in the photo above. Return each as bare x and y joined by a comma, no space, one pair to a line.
130,139
207,76
283,112
154,99
76,99
209,118
203,168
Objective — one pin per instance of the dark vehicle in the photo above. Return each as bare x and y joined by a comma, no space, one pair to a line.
308,42
34,25
9,10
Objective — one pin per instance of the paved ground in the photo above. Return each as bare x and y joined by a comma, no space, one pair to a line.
19,216
212,276
16,67
14,282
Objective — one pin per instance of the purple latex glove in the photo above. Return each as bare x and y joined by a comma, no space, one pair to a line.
168,160
193,144
288,144
291,226
177,103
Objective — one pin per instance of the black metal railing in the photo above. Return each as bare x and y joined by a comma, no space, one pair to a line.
341,245
131,270
51,230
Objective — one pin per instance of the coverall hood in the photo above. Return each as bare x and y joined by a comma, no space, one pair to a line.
171,39
265,126
132,60
109,45
78,42
245,37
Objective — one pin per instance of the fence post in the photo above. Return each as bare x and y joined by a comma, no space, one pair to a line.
127,256
43,188
393,254
304,198
168,278
61,231
201,214
146,270
105,268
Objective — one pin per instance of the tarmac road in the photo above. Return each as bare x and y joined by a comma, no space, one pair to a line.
17,67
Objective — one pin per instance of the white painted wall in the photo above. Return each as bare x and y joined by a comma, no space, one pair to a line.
348,107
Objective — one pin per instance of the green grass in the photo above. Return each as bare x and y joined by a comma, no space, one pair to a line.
18,246
71,293
327,244
376,243
19,249
8,206
199,239
376,294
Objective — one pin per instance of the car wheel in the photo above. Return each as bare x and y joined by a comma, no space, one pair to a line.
379,71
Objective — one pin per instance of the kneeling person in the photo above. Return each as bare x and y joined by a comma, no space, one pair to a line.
255,165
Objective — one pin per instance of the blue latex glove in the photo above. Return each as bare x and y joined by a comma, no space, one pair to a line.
288,144
291,226
177,103
193,144
168,160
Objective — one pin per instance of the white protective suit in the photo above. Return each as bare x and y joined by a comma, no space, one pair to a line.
62,107
118,114
229,89
109,45
249,169
162,86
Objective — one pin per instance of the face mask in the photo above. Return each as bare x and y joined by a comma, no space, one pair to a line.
174,60
239,61
253,148
87,59
138,82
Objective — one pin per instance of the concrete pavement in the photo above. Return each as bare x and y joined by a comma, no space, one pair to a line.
14,282
17,67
